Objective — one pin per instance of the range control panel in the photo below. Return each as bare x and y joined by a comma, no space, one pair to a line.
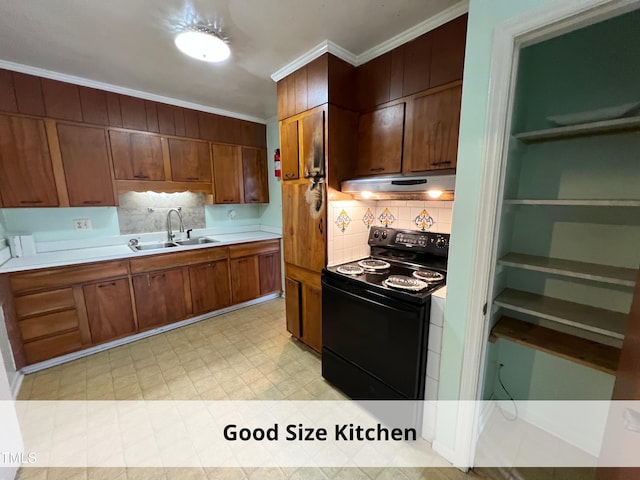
409,239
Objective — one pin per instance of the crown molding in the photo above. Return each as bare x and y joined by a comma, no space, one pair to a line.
325,46
429,24
85,82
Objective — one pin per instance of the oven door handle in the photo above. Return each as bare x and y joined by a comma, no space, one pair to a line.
363,295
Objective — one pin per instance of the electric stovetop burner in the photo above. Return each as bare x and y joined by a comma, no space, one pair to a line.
373,264
350,269
403,282
428,276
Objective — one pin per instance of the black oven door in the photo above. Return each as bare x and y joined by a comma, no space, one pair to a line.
374,347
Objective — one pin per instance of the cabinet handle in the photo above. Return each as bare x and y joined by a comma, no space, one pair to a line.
320,226
441,163
110,284
227,200
158,275
378,169
30,202
193,178
92,202
141,176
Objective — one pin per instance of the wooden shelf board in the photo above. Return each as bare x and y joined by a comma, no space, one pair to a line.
580,130
573,203
579,350
570,268
588,318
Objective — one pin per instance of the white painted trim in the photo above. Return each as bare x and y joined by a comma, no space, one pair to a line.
443,450
532,27
429,24
36,367
16,384
63,77
325,46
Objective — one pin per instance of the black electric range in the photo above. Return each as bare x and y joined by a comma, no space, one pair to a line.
375,315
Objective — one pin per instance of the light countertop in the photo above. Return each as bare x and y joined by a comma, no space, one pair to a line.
440,293
75,256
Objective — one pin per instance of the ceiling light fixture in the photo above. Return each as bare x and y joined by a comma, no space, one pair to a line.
202,43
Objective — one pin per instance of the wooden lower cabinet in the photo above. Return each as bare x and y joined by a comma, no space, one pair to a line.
303,295
109,310
210,286
270,277
245,275
160,297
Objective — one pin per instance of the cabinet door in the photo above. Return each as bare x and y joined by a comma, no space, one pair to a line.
210,286
289,152
245,283
254,175
109,310
304,225
312,150
447,55
86,165
312,316
136,156
417,64
380,135
26,174
190,161
293,306
436,121
227,173
270,280
160,298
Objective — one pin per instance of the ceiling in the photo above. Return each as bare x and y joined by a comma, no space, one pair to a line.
129,43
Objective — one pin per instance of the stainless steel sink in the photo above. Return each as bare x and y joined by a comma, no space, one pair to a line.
196,241
152,246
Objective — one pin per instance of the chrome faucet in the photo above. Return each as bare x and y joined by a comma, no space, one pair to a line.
170,234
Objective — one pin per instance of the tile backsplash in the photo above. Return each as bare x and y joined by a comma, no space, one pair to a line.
349,222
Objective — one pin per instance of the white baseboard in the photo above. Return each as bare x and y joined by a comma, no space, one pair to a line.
36,367
16,384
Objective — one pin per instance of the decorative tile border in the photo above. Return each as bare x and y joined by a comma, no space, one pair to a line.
343,221
386,218
368,218
424,221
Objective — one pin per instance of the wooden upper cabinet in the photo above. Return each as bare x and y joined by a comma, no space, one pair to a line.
447,53
94,106
254,175
136,156
61,100
317,81
85,159
166,121
312,149
374,82
380,137
190,161
304,89
8,101
134,112
109,310
304,225
28,92
436,122
26,173
227,173
417,64
289,152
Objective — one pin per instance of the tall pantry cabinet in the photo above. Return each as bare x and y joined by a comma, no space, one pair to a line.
567,254
317,128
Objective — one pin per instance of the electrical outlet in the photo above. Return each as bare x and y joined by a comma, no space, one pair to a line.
82,224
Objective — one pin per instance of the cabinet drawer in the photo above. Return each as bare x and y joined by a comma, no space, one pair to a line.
47,348
39,303
254,248
169,260
58,277
45,325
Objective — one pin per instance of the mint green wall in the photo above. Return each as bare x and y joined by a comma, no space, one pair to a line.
483,17
218,215
272,213
49,224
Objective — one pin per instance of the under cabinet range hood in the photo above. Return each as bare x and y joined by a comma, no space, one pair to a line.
432,186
